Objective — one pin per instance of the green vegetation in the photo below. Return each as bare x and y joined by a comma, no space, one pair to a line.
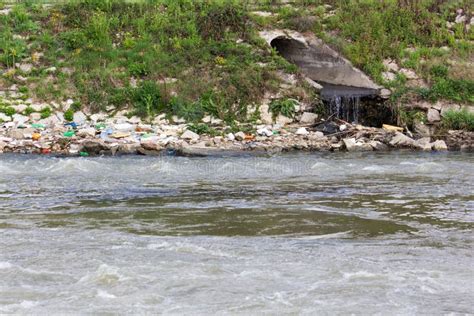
459,120
69,115
181,57
191,58
285,107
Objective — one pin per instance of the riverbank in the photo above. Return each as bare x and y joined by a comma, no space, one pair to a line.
99,135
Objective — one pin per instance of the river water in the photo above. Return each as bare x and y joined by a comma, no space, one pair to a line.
290,234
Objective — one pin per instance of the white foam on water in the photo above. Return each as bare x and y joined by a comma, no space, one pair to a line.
5,265
105,294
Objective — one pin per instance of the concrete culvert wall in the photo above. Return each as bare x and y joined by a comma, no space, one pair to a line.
348,93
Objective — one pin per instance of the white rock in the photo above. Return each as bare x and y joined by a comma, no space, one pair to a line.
178,120
264,132
402,140
189,135
38,106
343,127
4,117
302,131
440,145
433,116
460,19
134,120
86,132
35,117
391,65
408,73
240,136
124,127
314,84
98,117
80,118
283,120
385,93
207,119
26,68
231,137
308,118
20,119
388,76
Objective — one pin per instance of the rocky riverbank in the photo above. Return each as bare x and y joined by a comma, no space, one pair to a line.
100,135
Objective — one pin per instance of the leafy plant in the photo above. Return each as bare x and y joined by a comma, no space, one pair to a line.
459,120
285,107
69,115
46,112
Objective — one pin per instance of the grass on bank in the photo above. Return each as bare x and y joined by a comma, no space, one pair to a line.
181,57
188,58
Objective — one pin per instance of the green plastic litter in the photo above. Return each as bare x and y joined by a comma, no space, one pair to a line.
38,125
100,126
69,134
147,135
83,154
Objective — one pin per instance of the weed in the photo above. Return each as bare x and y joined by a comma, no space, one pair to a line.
285,107
459,120
69,115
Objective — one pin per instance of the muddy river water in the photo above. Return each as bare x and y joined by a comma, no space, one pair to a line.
290,234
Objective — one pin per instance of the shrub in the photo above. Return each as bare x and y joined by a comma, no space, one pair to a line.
28,110
459,120
202,129
147,99
46,112
284,107
9,111
69,115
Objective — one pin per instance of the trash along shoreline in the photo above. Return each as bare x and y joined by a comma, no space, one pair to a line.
114,137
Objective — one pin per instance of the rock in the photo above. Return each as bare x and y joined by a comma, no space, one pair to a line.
80,118
128,149
231,137
302,131
440,145
74,149
98,117
151,144
460,19
423,144
421,129
134,120
95,147
26,68
123,127
378,146
391,65
20,119
240,136
408,73
433,116
264,132
178,120
283,120
389,76
401,140
4,118
316,136
385,93
308,118
352,146
343,127
86,132
190,135
35,117
449,107
51,70
20,108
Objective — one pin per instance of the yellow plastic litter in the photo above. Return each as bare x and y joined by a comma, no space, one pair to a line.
36,136
392,128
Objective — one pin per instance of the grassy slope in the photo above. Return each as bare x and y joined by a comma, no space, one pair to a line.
120,53
123,54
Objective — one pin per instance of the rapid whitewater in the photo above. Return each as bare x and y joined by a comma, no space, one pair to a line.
358,233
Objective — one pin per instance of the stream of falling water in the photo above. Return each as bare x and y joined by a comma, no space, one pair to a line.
345,107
